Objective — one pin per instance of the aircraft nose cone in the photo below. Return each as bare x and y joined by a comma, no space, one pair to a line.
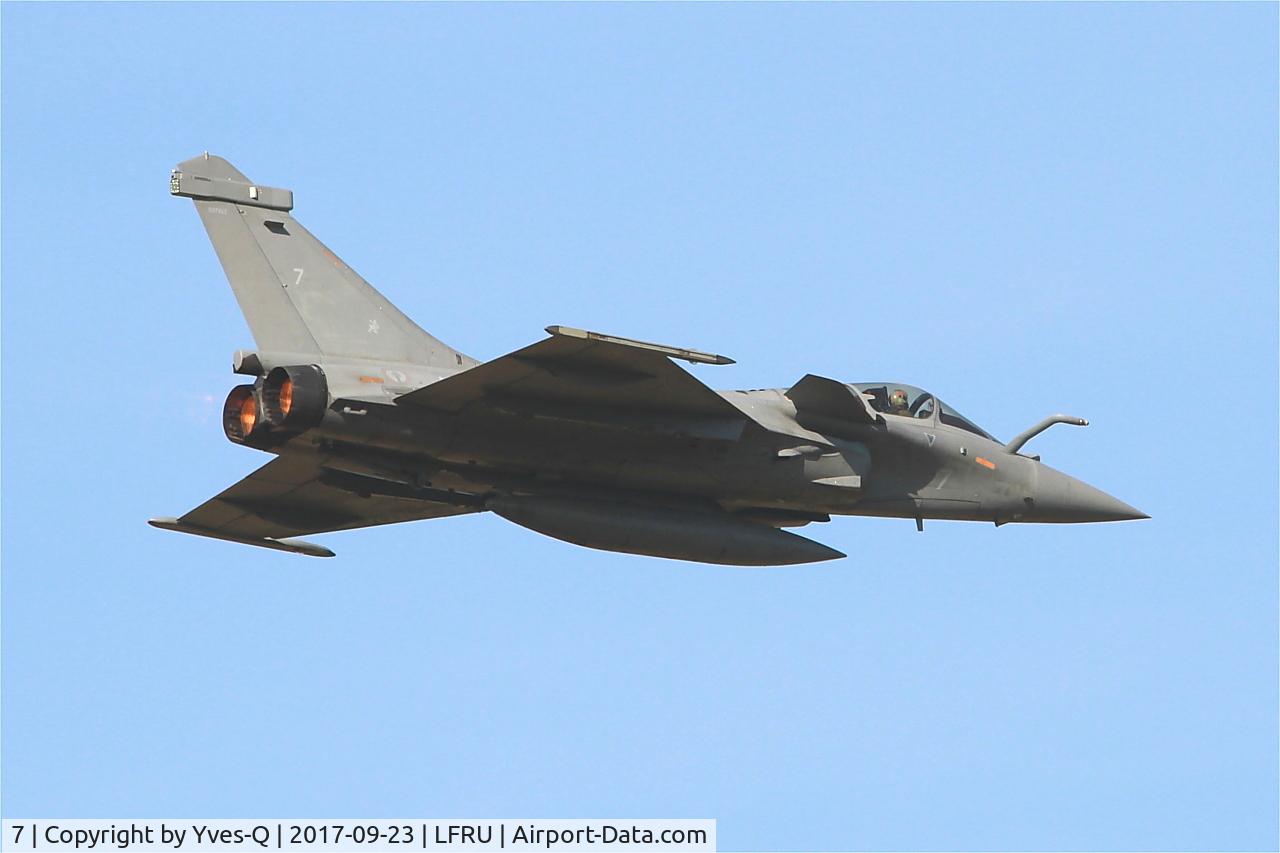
1064,499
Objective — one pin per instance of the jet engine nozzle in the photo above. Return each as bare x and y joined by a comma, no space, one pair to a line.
242,417
295,397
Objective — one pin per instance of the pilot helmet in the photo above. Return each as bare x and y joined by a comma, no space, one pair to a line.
898,399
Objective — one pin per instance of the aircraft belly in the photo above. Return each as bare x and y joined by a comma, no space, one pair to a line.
908,507
590,454
659,531
485,448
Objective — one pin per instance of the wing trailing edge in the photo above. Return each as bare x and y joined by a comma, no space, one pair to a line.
299,493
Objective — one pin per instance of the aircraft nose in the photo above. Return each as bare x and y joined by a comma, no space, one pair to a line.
1064,499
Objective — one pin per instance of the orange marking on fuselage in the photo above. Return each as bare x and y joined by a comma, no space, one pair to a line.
985,463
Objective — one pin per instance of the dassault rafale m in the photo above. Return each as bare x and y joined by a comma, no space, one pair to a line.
590,438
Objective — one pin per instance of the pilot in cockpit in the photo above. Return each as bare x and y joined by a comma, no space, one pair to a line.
898,403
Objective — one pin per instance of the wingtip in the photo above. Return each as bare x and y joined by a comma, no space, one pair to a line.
292,546
309,549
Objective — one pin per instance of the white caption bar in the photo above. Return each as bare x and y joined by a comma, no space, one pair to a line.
391,836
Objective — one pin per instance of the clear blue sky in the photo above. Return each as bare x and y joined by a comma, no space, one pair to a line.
1025,209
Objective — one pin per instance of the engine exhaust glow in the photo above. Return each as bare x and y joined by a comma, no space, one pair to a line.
286,397
248,415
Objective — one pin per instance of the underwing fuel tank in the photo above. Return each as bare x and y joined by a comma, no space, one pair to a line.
701,537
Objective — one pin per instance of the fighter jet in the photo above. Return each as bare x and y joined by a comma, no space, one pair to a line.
594,439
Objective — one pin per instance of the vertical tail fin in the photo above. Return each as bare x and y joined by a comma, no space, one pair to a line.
295,294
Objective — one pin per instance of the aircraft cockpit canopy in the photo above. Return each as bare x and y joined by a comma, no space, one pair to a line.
908,401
